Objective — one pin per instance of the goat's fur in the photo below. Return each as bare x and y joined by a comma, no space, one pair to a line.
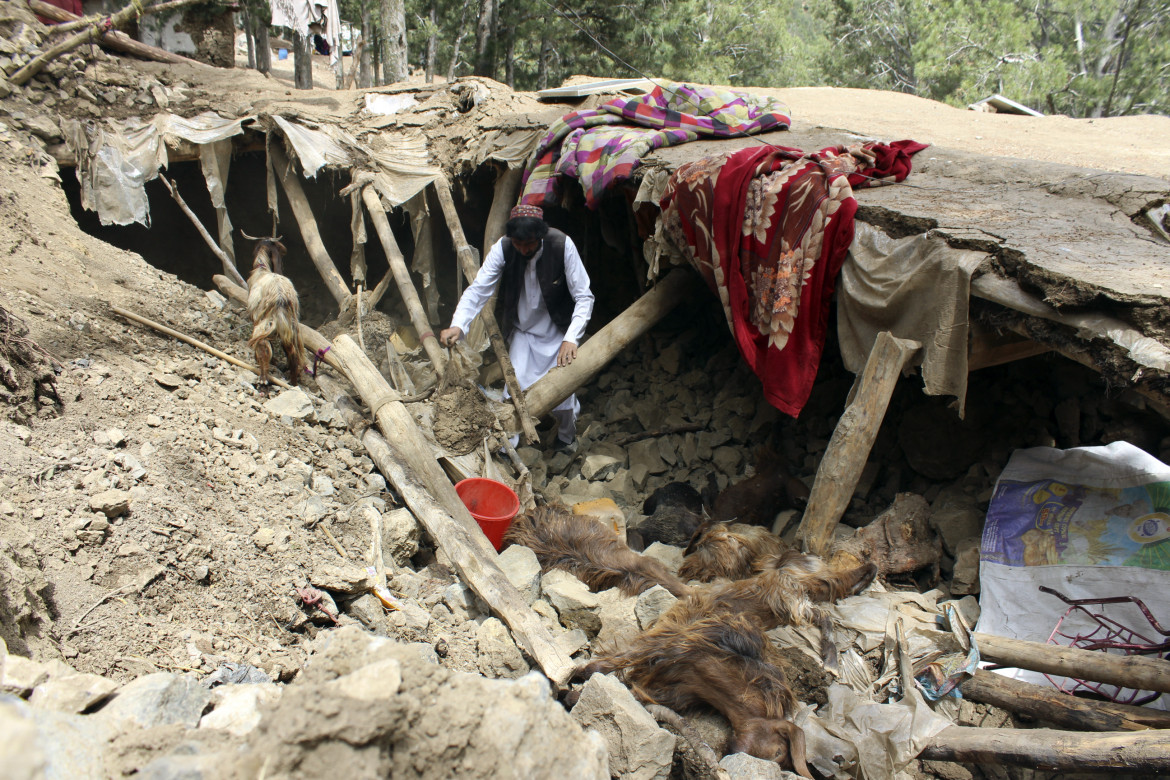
728,551
757,499
275,310
588,549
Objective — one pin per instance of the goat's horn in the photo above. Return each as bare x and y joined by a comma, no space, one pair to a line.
250,238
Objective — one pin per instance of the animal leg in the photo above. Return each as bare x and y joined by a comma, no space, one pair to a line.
296,364
263,359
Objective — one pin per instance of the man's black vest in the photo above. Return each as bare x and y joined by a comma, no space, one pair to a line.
554,287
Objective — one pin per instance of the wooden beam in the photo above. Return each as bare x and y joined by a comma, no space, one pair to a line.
414,307
406,460
852,440
1046,749
1138,672
604,346
114,39
988,348
229,265
507,191
470,268
308,225
1060,709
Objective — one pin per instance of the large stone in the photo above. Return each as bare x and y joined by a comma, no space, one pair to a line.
111,503
668,555
966,576
411,621
341,579
159,699
522,569
619,622
644,456
602,460
573,601
651,605
727,460
21,675
957,517
236,708
68,690
741,766
639,749
44,745
498,655
368,611
378,681
400,535
294,404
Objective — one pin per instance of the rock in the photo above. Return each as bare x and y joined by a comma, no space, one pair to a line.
37,744
619,622
645,457
727,460
311,510
294,404
264,538
368,611
411,621
111,503
606,511
68,690
236,708
459,598
323,485
602,460
498,655
570,641
21,675
44,128
167,381
741,766
669,556
574,602
670,359
965,579
651,604
159,699
341,579
400,535
376,682
639,749
939,445
956,516
522,569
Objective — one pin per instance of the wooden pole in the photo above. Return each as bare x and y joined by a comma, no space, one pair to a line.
506,192
308,225
1136,751
114,39
852,440
418,315
1060,709
594,354
313,341
197,344
432,499
229,266
470,268
1141,673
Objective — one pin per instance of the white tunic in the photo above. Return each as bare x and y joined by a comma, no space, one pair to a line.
536,339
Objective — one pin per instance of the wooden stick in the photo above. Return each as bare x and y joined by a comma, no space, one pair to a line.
454,532
470,268
1060,709
414,307
398,373
506,192
308,225
1140,673
94,33
196,343
229,266
1135,751
622,441
595,353
849,447
114,39
333,541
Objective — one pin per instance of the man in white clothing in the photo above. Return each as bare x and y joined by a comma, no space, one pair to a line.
544,304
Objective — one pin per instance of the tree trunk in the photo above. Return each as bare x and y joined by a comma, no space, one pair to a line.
394,22
460,34
510,58
263,47
484,40
302,61
546,51
432,44
365,72
1122,52
248,36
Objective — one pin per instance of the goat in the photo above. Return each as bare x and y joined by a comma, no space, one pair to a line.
274,308
581,545
728,550
757,499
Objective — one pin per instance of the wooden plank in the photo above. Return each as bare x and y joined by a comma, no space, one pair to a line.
114,39
406,459
852,440
1047,749
507,190
1142,673
988,348
1060,709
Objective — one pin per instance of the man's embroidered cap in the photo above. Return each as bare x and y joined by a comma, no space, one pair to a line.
526,210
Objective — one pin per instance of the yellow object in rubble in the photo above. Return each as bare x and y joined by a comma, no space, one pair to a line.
605,511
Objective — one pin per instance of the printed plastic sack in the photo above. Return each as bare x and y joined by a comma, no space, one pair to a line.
1091,522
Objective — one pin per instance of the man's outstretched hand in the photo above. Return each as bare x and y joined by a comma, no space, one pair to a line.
567,354
449,336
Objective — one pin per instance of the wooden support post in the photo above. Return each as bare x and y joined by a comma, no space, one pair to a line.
432,499
1134,751
308,225
1060,709
852,440
1138,672
418,315
115,40
595,353
470,268
506,193
229,265
988,348
313,341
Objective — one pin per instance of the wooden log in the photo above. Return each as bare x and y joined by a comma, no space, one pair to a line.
1141,673
988,348
399,376
433,501
414,307
308,225
1060,709
595,353
506,193
470,268
1047,749
849,447
229,265
115,40
313,341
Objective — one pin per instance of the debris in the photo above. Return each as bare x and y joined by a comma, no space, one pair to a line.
638,746
111,503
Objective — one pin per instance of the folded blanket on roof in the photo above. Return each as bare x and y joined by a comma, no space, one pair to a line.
768,228
601,147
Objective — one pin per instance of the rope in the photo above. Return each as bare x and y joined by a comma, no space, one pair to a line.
318,356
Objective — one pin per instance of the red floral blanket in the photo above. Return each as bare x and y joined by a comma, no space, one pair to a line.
768,227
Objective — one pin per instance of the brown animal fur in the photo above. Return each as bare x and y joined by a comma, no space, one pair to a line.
586,548
758,498
728,551
275,310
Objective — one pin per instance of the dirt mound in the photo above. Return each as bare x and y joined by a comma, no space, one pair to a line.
28,381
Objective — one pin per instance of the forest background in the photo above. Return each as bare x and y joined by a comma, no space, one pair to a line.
1082,58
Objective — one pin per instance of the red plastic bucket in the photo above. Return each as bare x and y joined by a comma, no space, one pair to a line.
493,505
